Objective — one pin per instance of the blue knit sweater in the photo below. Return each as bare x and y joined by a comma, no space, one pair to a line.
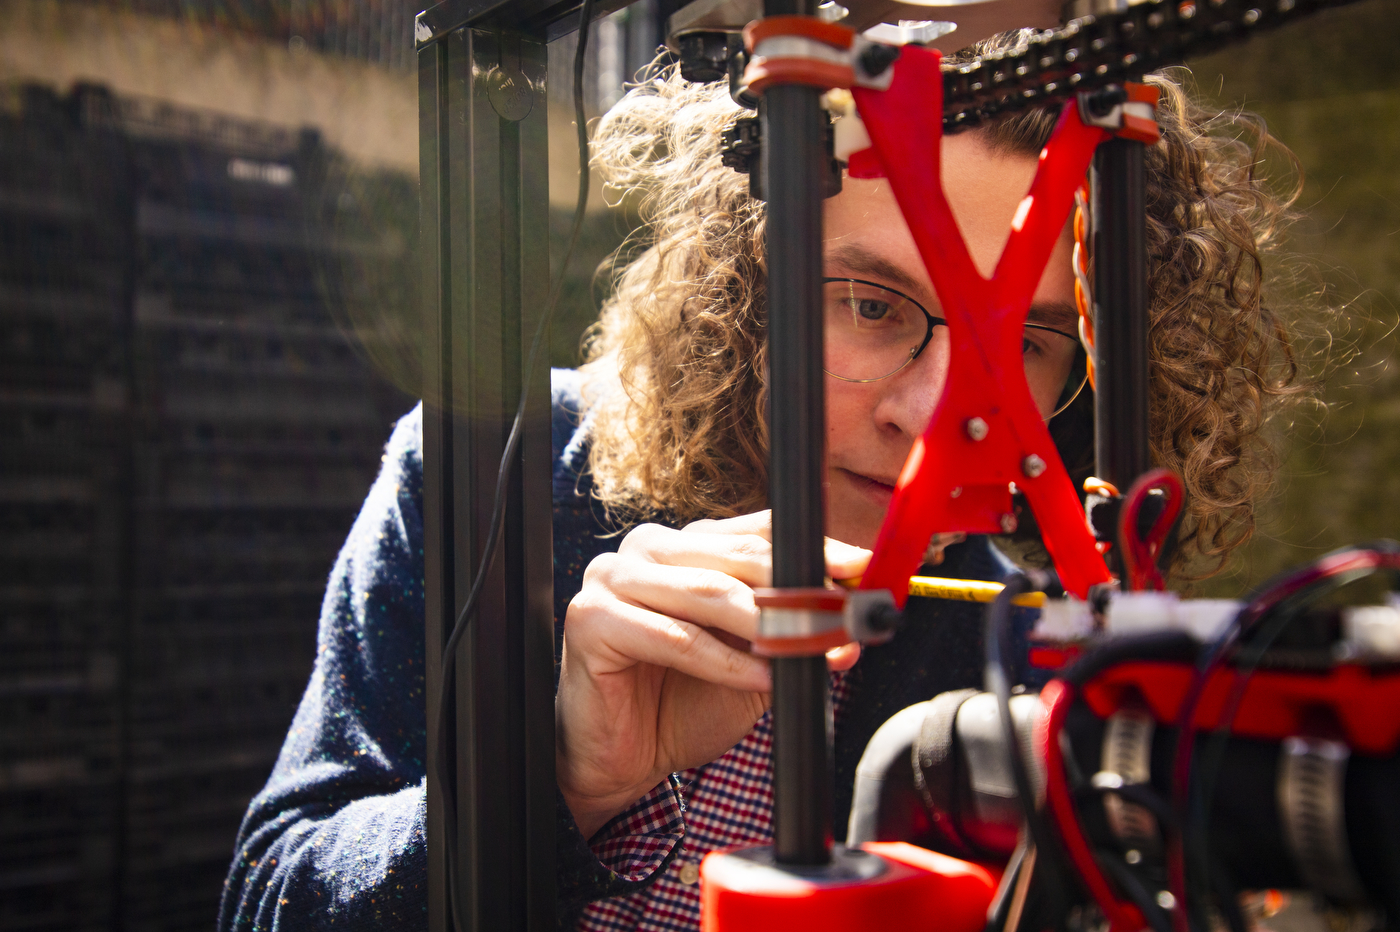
336,839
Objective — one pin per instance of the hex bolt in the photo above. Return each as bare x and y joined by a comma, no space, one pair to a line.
1033,466
1008,523
977,428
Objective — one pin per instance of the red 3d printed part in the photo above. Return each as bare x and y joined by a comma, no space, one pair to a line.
919,891
1275,704
987,431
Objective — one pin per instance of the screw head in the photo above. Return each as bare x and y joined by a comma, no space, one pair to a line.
1166,900
977,428
1008,523
1133,856
1033,466
957,491
884,618
877,57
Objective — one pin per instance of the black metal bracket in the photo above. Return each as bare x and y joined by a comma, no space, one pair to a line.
742,150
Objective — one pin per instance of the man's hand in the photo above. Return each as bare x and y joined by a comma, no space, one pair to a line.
656,674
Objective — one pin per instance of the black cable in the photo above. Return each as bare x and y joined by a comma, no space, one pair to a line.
1227,900
1128,882
446,784
997,680
1155,646
1141,794
1000,910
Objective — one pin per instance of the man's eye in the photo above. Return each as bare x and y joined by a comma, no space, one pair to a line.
871,309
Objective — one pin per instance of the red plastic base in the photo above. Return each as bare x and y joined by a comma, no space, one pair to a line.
920,890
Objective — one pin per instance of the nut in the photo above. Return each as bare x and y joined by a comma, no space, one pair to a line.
1033,466
977,428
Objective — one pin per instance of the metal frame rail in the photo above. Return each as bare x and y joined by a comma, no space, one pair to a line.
1119,192
485,254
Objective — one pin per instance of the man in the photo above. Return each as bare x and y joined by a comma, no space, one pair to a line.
662,732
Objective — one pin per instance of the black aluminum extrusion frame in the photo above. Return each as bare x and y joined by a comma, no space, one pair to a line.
1119,248
484,220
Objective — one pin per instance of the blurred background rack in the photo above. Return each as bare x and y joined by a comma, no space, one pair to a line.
65,585
208,324
187,434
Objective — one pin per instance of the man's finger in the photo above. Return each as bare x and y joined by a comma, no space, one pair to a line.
649,637
844,561
698,595
843,657
759,523
746,557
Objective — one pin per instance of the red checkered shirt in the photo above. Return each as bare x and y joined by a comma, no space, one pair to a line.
722,804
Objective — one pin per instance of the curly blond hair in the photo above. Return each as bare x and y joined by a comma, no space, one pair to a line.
675,365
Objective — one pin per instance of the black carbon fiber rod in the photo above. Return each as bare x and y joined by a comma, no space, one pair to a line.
794,162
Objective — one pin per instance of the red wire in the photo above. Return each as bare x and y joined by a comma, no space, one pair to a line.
1140,553
1057,697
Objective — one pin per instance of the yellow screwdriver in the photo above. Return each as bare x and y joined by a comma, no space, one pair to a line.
959,590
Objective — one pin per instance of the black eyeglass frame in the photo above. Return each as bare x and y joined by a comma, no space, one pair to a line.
929,323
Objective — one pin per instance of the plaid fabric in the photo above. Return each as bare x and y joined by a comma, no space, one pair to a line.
720,805
637,842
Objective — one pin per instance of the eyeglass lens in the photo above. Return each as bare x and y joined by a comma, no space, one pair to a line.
872,333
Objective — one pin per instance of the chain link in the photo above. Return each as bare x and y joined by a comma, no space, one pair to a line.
1085,54
1093,51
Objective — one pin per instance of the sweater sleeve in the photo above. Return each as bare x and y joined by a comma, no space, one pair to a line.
336,838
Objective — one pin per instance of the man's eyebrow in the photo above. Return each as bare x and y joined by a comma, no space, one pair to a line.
1061,315
862,261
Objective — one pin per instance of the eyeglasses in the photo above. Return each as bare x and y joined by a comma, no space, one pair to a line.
873,332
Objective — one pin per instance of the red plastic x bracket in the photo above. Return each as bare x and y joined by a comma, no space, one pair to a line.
986,432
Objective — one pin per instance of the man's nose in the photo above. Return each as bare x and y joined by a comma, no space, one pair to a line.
909,396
